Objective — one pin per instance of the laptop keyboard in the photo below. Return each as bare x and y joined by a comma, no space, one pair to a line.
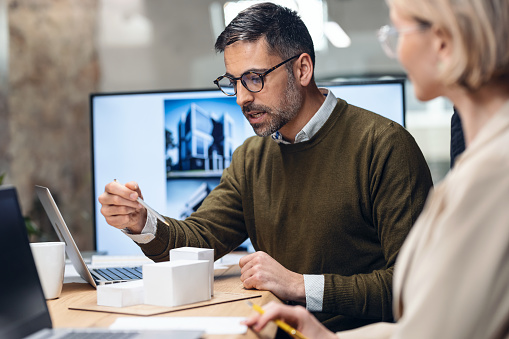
119,273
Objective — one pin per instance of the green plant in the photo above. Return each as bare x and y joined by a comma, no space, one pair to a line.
32,228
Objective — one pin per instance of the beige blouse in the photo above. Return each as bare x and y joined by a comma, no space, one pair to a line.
451,278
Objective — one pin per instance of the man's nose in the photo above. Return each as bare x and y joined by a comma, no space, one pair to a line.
243,95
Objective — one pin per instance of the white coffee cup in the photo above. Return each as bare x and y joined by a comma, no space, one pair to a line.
49,259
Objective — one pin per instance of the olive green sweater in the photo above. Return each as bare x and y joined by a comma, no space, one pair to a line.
340,204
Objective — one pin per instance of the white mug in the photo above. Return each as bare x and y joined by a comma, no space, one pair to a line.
49,259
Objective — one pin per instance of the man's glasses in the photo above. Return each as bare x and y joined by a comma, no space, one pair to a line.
252,81
388,37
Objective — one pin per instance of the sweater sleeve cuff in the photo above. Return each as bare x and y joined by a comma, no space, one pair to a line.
314,286
147,234
158,249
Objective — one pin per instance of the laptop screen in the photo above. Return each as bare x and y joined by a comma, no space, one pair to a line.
23,308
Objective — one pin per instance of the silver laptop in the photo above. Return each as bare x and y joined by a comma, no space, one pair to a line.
94,276
23,309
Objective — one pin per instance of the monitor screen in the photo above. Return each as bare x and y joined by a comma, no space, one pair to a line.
175,144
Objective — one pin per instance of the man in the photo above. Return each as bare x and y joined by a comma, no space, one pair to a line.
327,193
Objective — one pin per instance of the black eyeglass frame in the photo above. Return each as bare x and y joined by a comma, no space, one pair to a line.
261,75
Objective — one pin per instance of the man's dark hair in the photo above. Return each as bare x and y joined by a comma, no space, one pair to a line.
283,29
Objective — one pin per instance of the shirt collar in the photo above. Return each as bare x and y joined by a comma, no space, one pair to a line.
315,123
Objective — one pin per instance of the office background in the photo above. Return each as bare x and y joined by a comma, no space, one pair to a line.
54,53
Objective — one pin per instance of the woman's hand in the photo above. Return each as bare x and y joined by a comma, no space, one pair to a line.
296,316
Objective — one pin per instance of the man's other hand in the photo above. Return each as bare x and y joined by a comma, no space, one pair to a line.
262,272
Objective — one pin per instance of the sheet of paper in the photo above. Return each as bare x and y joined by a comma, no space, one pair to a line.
231,259
211,325
71,275
99,261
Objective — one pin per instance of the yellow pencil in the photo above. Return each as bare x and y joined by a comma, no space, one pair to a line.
280,323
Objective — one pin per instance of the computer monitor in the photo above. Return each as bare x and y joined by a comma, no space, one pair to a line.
175,144
23,309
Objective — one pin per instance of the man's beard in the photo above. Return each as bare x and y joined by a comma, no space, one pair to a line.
279,116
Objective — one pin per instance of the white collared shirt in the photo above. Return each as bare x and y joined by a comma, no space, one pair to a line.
315,123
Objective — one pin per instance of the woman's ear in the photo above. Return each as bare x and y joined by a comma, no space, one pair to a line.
442,44
303,69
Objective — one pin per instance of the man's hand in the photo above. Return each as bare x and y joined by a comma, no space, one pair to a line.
262,272
120,208
296,316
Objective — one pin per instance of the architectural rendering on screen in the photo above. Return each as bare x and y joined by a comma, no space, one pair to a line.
201,135
204,142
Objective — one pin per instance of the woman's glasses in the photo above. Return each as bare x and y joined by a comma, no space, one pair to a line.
388,37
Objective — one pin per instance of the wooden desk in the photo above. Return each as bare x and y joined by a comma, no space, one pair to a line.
62,316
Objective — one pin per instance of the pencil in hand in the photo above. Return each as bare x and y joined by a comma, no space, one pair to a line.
280,323
149,209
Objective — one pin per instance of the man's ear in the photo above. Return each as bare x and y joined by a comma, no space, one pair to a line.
303,69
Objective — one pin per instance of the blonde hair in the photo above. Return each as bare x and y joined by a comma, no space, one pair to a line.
479,31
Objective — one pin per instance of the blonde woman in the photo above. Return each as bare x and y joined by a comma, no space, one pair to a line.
452,275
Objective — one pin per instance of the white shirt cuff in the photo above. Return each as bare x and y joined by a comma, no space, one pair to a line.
314,286
147,234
